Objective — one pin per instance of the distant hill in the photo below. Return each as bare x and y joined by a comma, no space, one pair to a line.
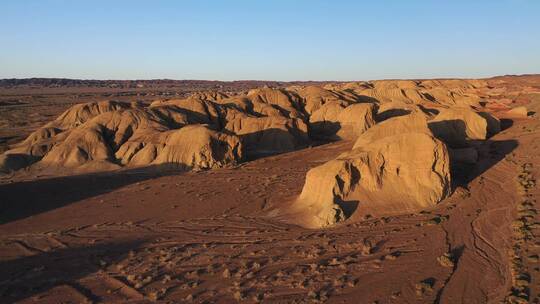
195,84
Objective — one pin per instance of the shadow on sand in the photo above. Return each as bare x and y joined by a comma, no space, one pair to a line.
28,276
23,199
490,152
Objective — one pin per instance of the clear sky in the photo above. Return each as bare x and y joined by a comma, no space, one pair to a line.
268,40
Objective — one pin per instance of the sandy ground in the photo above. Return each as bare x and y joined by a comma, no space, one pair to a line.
149,235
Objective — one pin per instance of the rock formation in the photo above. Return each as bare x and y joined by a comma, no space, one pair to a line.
193,146
337,121
456,126
109,135
399,162
396,174
518,112
412,123
216,129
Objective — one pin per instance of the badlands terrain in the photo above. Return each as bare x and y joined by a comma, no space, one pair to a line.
391,191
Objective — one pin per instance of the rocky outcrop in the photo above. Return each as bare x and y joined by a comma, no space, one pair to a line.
435,92
268,121
395,109
111,135
268,134
355,120
397,174
412,123
335,120
231,127
190,147
315,97
518,112
80,113
456,126
205,130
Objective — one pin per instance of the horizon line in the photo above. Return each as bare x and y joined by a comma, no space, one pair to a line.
263,80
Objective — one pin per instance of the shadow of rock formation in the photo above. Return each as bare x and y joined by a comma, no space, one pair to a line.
23,199
490,152
27,276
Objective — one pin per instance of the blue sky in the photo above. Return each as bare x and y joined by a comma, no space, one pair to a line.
268,40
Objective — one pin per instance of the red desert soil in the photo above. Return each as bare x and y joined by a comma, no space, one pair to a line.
147,235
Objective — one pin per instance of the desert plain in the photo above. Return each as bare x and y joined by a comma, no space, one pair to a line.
388,191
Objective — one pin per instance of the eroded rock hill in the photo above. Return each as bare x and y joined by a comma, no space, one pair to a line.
406,134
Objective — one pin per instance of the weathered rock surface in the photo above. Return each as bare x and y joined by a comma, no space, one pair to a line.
397,174
335,120
111,134
412,123
518,112
194,146
439,92
456,126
